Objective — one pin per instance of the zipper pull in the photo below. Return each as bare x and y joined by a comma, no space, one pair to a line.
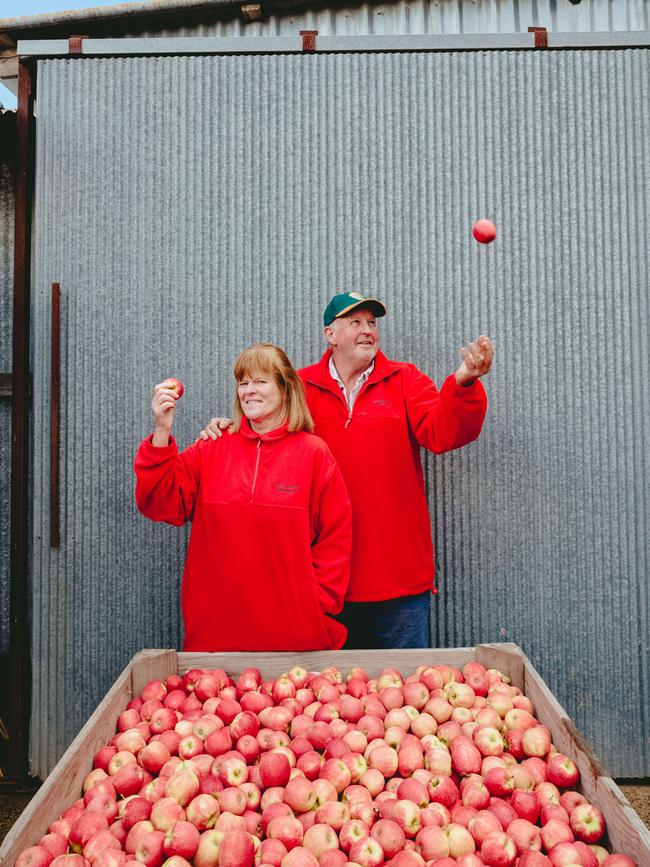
347,423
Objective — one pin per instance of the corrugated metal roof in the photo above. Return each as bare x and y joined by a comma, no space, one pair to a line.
198,17
191,205
432,16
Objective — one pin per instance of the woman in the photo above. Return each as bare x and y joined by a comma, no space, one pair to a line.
268,559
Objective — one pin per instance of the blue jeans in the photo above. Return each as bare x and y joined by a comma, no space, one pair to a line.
401,622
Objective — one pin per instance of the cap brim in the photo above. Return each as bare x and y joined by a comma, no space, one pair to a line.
376,306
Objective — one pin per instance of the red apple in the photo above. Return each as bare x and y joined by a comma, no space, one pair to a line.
389,835
367,853
183,786
274,769
104,804
70,861
562,772
407,816
54,843
176,385
432,842
461,841
218,742
482,824
443,790
136,810
533,859
229,822
207,853
536,741
333,813
154,756
565,855
35,856
465,756
587,823
286,829
300,795
100,843
165,812
182,839
588,855
337,772
499,850
412,790
272,852
488,740
233,800
525,805
150,851
613,860
555,832
203,811
85,827
103,756
319,839
111,858
525,835
135,835
503,811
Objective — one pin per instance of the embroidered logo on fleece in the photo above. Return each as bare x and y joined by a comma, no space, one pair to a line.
286,489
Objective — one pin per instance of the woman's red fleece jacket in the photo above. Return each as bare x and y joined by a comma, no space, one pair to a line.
269,552
377,447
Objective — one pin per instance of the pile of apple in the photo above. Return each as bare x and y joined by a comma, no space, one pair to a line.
444,768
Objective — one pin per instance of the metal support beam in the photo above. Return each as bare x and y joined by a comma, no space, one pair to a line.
19,657
194,45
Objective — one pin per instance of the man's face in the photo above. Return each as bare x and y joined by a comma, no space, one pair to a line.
354,338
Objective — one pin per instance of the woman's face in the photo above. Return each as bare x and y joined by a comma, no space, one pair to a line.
260,400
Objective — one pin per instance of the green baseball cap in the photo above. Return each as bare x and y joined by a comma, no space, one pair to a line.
344,302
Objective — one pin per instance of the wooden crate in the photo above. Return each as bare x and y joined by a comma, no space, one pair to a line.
626,831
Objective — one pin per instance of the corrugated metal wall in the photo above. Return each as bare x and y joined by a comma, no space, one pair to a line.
191,205
435,16
7,136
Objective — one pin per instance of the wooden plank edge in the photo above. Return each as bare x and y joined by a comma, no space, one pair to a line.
152,665
626,832
64,784
508,658
275,664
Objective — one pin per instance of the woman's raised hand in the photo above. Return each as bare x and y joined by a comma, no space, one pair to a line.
163,406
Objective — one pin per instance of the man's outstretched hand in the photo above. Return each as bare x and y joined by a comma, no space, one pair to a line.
477,360
214,429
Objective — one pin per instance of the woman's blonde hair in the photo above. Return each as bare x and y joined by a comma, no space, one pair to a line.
271,360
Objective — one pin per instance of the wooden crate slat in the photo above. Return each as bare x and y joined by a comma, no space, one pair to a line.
625,830
64,784
275,664
152,665
507,658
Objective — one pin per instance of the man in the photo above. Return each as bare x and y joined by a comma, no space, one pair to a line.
374,414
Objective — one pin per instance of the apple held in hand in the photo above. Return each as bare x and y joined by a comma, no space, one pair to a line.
175,385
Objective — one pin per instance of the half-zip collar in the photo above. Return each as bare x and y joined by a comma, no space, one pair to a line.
270,436
321,377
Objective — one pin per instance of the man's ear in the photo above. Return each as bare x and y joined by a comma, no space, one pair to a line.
329,335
